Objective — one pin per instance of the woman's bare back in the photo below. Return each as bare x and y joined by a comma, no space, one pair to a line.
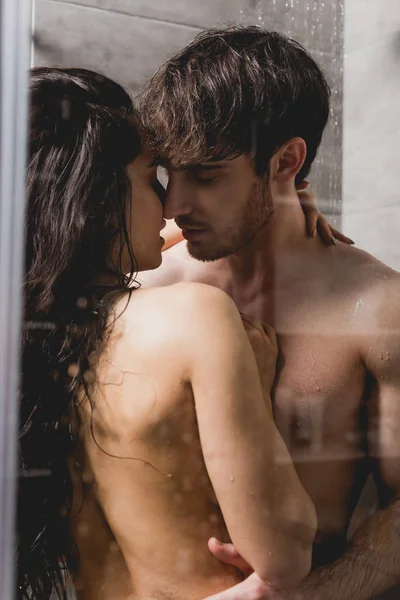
148,501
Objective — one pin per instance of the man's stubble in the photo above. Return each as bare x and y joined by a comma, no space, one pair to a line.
250,219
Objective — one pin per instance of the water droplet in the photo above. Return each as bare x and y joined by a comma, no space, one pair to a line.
84,529
187,483
213,518
88,376
82,302
73,370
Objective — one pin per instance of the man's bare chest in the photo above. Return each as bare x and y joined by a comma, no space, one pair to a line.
320,381
318,395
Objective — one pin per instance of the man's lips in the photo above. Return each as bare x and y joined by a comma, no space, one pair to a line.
192,235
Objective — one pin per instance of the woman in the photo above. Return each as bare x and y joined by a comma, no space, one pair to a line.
145,417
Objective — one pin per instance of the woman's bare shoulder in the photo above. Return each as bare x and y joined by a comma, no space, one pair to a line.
171,313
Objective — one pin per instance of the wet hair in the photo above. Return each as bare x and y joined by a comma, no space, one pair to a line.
232,91
82,135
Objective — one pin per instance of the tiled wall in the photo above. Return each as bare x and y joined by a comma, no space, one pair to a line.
128,39
371,151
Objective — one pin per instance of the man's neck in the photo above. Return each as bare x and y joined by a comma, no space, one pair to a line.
275,257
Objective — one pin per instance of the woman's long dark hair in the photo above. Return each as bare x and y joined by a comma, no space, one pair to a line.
82,136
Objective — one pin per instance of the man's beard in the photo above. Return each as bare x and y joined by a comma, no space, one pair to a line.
253,216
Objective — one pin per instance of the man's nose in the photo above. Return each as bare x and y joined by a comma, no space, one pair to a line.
177,199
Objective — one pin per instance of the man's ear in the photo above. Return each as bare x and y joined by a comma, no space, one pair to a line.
288,160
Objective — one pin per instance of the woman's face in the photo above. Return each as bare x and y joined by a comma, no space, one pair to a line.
145,213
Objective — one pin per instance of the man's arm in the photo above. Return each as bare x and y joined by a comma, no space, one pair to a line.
371,565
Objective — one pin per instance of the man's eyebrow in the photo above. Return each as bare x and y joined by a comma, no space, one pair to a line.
198,167
201,166
210,166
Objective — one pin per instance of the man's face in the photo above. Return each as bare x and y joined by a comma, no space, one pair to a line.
220,206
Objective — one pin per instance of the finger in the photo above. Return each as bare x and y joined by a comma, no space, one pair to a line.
249,589
262,327
311,216
340,236
311,213
271,333
228,554
325,231
307,199
303,185
266,332
254,323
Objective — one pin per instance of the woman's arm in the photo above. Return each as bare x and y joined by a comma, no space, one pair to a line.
261,498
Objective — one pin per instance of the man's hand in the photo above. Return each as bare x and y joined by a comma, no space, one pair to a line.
252,588
227,553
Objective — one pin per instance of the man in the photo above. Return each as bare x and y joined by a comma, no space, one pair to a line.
237,118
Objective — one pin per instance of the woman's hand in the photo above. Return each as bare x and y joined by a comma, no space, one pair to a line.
265,347
315,221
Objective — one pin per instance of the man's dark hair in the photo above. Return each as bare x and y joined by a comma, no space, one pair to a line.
238,90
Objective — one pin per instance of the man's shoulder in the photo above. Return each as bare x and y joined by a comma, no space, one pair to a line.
374,287
363,272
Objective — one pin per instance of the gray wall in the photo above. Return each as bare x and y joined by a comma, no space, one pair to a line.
371,152
128,39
